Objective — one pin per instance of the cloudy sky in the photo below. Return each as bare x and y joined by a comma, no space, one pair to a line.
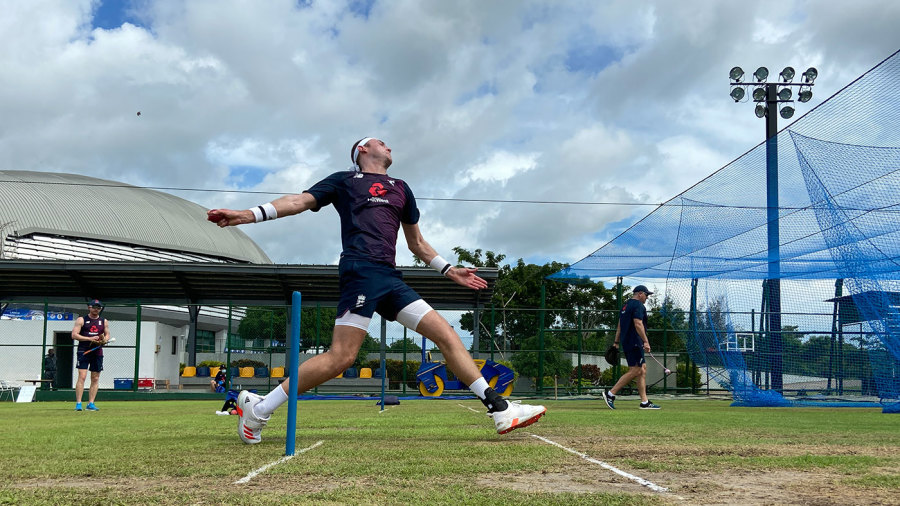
552,101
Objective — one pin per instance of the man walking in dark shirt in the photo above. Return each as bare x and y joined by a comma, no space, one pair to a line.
632,331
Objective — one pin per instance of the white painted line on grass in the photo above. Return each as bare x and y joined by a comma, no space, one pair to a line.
467,407
286,458
638,479
380,411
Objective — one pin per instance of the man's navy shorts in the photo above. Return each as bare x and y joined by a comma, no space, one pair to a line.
634,356
368,287
92,361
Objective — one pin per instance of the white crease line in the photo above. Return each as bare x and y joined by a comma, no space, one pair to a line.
467,407
380,411
286,458
638,479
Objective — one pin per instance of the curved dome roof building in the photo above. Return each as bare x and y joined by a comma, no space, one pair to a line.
53,216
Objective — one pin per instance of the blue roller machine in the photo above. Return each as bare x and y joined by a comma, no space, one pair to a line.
433,380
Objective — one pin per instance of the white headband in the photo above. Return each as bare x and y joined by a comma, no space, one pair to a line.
356,149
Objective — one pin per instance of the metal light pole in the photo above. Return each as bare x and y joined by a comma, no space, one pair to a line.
768,93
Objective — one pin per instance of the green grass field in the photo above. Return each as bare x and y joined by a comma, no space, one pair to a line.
442,452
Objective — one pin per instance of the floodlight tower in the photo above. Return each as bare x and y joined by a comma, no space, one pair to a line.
773,98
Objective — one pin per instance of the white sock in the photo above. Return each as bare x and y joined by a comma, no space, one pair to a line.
479,386
270,402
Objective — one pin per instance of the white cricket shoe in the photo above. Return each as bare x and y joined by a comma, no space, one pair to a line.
249,425
516,416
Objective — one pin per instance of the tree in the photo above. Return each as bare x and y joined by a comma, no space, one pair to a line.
474,259
260,325
316,331
398,346
667,319
517,295
264,323
712,329
470,258
527,362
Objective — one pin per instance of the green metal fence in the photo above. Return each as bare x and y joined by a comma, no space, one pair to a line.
553,351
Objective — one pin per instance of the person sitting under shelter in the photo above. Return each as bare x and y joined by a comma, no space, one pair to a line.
217,384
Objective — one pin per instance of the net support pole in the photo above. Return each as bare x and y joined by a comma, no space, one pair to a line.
619,289
137,347
580,344
44,347
835,324
695,330
229,378
403,369
476,328
773,237
293,380
540,379
383,360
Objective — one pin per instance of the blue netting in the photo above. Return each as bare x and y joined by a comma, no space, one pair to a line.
838,218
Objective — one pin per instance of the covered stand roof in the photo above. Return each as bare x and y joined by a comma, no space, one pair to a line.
208,284
76,206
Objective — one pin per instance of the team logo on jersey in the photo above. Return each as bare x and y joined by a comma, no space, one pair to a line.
377,190
360,300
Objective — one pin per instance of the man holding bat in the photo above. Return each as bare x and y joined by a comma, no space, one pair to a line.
91,332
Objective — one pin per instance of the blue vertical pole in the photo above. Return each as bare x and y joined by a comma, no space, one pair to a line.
293,380
383,361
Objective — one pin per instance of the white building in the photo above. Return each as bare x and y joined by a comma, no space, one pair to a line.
52,216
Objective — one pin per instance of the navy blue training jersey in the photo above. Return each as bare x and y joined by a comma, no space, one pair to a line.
371,207
92,327
627,333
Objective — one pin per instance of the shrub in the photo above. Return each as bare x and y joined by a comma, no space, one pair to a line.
549,382
590,374
608,377
211,363
395,371
683,376
507,363
586,385
246,362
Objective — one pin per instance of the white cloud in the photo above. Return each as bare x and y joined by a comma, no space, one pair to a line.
500,167
768,32
261,152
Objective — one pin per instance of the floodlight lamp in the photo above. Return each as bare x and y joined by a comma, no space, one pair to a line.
810,75
787,111
759,94
804,95
761,74
787,74
736,73
737,93
784,94
760,111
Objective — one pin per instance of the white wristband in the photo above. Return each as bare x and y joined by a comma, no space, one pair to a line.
264,212
439,264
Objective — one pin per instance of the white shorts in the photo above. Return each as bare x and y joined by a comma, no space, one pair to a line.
409,316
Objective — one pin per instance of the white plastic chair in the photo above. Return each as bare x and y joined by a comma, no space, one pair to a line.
5,387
